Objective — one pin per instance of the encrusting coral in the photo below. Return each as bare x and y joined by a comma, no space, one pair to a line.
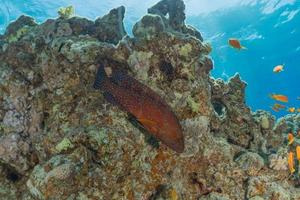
60,138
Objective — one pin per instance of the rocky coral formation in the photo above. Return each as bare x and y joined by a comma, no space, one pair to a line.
60,139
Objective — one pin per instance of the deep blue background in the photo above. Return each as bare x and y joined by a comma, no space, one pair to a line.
275,43
269,29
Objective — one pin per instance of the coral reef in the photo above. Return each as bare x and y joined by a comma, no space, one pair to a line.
60,139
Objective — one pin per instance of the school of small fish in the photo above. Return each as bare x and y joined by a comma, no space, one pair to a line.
283,99
280,98
235,43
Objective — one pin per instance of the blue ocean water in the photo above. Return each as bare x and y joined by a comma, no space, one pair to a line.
270,29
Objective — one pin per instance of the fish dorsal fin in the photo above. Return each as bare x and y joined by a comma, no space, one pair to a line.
110,98
149,123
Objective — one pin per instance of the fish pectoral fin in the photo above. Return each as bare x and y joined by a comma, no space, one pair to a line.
110,98
149,123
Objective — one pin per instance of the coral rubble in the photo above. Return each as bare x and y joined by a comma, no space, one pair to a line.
60,139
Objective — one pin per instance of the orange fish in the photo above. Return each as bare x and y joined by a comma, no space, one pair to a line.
291,110
143,103
298,152
278,68
291,162
279,97
235,43
291,138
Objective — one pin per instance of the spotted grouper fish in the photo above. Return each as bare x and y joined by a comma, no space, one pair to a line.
149,109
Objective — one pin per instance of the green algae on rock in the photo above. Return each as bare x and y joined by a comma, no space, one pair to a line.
64,145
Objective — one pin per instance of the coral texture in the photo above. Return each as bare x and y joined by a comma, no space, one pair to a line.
60,139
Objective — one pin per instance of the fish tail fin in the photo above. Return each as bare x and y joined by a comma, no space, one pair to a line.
100,77
245,48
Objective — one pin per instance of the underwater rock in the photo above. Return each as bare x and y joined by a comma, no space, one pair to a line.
80,26
15,153
22,21
7,188
250,162
149,26
63,29
13,121
266,120
194,130
233,118
267,123
287,124
110,28
57,178
267,189
188,29
175,9
278,161
176,16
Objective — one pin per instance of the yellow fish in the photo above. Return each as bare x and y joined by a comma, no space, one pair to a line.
291,162
291,110
235,43
279,97
278,68
298,152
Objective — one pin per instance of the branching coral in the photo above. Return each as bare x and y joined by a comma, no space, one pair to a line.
66,13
